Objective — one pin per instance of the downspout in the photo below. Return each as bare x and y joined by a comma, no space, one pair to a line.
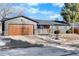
22,31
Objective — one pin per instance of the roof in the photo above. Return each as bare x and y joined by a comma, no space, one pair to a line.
50,22
62,23
41,22
76,25
6,19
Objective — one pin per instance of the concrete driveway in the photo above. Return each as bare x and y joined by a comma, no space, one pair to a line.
38,51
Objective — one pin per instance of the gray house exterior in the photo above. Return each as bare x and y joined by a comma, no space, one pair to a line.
22,25
61,25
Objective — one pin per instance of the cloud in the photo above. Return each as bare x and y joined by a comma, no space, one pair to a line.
46,12
36,10
58,4
32,4
54,16
17,8
33,10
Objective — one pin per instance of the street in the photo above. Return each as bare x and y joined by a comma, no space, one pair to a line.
38,51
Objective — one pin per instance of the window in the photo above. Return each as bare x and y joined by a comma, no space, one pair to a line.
43,26
40,26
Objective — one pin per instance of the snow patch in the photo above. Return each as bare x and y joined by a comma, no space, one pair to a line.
2,43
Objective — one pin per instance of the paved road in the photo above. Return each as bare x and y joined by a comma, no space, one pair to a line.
38,51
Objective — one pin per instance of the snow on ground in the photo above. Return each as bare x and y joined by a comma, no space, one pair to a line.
2,43
54,50
45,40
60,43
38,51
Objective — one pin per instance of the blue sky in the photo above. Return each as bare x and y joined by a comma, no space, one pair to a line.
41,11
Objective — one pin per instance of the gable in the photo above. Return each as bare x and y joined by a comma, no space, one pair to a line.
21,20
7,19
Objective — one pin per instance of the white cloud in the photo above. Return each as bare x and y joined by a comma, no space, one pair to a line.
58,4
55,16
19,10
32,4
27,9
46,12
33,10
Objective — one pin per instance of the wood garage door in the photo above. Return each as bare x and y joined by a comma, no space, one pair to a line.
15,29
76,31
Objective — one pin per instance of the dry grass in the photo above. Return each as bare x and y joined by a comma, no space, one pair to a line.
69,37
63,38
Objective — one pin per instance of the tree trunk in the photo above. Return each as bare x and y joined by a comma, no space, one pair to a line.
57,36
73,28
3,27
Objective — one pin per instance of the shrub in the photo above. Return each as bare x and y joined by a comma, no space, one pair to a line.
56,31
68,31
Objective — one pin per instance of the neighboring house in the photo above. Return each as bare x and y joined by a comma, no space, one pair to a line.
22,25
76,27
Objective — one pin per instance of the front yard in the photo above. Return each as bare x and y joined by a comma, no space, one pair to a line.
41,45
65,40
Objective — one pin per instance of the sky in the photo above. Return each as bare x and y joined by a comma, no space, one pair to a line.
39,11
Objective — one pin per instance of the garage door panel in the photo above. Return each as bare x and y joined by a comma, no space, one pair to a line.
14,30
20,29
28,30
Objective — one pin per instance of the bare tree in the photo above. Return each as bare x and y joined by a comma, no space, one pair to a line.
8,11
20,12
5,12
